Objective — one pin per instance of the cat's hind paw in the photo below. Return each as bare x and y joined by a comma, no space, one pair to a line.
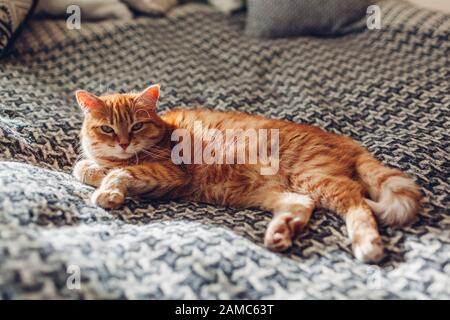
279,234
108,199
368,248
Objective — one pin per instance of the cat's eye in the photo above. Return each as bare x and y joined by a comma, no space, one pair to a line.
137,126
107,129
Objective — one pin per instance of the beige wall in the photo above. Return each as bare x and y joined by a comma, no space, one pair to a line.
437,5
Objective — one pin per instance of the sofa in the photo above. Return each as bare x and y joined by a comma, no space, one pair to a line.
389,89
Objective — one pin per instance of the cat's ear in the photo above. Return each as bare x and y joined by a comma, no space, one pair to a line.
87,101
149,97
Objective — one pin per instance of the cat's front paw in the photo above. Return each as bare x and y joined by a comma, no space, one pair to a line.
279,234
88,172
80,169
108,198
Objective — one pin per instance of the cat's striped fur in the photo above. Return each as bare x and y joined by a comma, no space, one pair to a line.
316,169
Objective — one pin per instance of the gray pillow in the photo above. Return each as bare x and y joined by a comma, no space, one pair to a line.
227,6
90,9
151,7
283,18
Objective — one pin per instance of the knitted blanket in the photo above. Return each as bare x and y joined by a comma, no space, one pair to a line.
388,89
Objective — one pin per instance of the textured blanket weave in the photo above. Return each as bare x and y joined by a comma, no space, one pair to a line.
388,89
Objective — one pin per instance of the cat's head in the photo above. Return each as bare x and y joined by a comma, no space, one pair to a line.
119,126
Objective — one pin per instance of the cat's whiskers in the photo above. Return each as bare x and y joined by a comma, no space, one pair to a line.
158,148
155,155
80,152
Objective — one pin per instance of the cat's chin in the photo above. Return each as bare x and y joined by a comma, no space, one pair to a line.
122,155
114,156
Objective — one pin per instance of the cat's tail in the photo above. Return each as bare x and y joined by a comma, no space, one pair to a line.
395,197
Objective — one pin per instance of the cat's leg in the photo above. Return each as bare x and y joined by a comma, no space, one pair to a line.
156,179
363,232
89,172
345,196
291,212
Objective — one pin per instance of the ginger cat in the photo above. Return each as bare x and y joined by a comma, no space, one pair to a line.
129,150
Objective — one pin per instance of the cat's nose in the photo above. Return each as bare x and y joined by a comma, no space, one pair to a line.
124,145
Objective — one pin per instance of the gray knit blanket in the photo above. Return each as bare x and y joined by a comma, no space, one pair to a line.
389,89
